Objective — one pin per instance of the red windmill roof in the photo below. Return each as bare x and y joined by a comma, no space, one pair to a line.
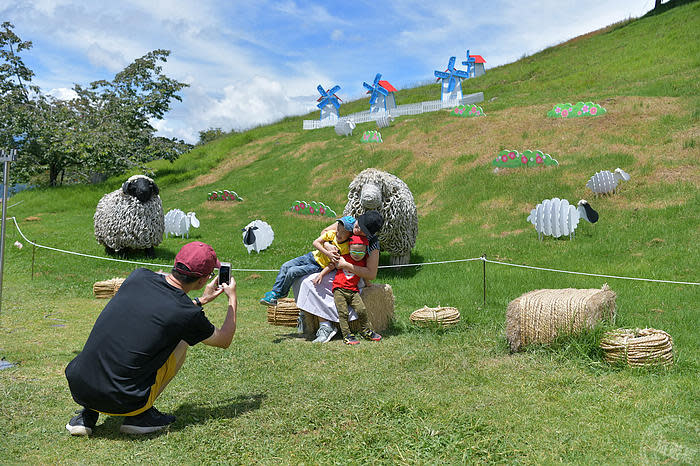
386,85
478,59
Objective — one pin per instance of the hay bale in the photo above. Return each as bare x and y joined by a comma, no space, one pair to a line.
285,313
379,301
108,288
542,315
427,316
638,348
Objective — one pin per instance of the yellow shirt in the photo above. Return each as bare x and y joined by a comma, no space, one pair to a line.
329,237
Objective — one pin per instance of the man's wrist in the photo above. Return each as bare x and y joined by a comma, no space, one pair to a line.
198,302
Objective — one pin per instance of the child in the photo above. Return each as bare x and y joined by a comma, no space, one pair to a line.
346,292
330,246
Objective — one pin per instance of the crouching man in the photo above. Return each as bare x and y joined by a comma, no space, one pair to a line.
140,340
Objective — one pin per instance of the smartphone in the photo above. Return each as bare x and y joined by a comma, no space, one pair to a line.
225,273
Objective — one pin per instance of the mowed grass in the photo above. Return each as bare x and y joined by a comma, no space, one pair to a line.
421,395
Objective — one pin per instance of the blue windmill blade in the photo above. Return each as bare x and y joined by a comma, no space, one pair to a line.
322,91
451,64
377,78
333,90
334,101
323,102
461,74
442,74
452,84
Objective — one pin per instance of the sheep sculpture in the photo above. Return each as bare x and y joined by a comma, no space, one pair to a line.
605,182
257,235
344,127
556,217
178,223
374,189
130,218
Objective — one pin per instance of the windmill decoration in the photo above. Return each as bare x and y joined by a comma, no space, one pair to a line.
381,97
451,81
329,103
470,64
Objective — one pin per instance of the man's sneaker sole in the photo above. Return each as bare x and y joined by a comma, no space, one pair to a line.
81,431
138,430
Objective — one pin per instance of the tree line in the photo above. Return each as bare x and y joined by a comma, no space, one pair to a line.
104,130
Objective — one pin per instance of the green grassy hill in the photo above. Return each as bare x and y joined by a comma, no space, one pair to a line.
421,395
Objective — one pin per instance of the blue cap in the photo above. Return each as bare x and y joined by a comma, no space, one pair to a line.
348,222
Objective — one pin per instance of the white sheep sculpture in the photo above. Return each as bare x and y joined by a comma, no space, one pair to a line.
556,217
344,127
177,223
257,235
374,189
131,217
605,182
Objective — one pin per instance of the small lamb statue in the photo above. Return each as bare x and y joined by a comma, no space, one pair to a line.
177,223
605,182
257,235
131,217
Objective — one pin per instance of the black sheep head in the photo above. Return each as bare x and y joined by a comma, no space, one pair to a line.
249,237
141,188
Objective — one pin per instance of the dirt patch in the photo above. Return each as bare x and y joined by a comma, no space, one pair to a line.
672,175
457,219
504,234
455,241
309,146
32,219
235,160
220,206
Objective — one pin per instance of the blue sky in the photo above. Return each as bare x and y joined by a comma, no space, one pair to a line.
254,62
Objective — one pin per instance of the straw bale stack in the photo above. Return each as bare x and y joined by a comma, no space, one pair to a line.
638,348
379,301
542,315
285,313
427,316
108,288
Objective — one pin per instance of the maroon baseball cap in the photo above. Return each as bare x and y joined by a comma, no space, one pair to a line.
199,258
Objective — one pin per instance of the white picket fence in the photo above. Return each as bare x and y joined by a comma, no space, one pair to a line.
408,109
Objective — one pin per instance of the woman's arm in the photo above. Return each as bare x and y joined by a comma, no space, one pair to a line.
369,272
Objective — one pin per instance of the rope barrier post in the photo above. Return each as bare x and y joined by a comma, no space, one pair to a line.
33,253
483,261
6,156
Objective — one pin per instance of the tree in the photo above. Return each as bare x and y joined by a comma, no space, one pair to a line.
106,129
209,135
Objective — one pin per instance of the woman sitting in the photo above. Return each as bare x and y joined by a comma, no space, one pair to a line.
317,299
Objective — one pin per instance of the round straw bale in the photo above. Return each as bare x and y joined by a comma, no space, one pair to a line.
542,315
379,301
638,347
285,313
444,316
108,288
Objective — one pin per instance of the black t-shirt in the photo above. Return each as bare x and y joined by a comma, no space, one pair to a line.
131,339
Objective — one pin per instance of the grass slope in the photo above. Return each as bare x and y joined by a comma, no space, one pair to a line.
421,396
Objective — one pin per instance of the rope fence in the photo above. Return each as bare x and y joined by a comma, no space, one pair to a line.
482,258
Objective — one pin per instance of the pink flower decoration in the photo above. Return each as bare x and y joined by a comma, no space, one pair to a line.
511,154
584,108
564,113
322,211
302,206
557,110
311,210
579,113
593,111
538,159
504,158
524,159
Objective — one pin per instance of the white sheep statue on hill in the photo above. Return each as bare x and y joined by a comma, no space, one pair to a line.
131,217
178,223
374,189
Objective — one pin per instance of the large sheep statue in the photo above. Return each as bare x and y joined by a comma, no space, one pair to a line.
131,217
374,189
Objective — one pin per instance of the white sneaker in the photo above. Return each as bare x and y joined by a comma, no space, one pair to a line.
324,334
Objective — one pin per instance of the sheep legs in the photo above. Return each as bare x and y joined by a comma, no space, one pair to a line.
401,260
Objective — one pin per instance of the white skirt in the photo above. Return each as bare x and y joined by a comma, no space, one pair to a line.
318,299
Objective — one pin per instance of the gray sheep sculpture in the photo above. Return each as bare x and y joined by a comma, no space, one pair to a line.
374,189
130,218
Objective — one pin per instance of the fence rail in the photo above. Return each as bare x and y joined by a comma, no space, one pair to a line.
401,110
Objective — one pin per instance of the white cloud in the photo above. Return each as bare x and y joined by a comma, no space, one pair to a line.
63,93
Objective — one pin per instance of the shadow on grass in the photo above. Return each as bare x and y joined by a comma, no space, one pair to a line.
187,414
394,272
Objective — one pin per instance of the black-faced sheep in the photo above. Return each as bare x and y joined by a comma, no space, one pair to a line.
130,217
374,189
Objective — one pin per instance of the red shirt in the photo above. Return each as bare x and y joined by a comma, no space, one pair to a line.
345,279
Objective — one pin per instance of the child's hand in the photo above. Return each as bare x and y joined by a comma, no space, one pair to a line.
317,279
343,264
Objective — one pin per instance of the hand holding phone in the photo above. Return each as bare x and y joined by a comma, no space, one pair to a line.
225,273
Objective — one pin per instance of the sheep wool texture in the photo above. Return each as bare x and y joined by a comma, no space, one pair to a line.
374,189
122,222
